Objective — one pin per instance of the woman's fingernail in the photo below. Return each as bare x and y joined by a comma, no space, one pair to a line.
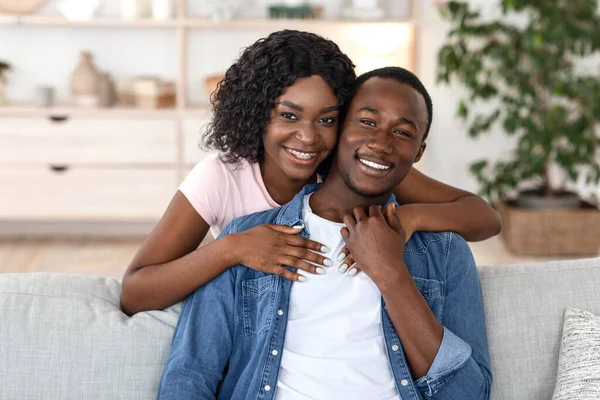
343,268
298,227
353,272
320,271
341,257
302,278
324,249
327,262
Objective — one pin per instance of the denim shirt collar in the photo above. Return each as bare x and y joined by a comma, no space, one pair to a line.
291,213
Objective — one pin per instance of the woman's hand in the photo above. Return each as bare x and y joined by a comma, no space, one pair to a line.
267,248
407,221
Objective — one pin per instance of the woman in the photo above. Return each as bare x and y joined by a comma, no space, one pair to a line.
275,121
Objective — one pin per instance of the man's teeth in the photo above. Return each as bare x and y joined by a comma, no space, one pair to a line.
374,165
303,156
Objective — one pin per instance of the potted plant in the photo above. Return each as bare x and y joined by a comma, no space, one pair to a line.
4,68
523,72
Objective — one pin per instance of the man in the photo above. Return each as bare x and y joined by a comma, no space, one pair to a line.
410,326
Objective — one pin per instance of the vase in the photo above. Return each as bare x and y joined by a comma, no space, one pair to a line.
107,92
1,92
85,80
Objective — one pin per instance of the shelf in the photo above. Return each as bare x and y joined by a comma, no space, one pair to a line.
42,20
19,110
206,23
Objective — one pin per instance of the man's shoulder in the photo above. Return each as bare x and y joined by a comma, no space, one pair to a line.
441,249
249,221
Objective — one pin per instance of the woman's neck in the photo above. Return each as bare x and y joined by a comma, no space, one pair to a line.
281,187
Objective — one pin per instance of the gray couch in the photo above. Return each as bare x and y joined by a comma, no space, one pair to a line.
64,337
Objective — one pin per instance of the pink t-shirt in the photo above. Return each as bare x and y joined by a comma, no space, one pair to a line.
222,191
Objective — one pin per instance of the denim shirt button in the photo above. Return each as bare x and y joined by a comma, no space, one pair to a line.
404,382
267,388
280,312
274,352
395,347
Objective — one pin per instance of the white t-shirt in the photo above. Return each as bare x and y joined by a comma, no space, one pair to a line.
334,347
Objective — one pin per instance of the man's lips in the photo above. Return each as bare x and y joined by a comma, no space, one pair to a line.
374,163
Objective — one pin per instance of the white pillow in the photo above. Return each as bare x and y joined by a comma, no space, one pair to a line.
578,375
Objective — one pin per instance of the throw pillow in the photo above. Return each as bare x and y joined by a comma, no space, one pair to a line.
578,375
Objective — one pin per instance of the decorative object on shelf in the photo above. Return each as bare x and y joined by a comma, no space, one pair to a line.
4,68
147,92
44,96
522,77
136,9
162,10
222,10
78,10
362,10
20,6
107,91
211,83
84,81
304,11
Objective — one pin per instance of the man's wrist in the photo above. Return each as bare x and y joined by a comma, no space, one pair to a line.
394,279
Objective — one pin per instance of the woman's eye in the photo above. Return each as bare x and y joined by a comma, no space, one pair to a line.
328,120
287,115
367,122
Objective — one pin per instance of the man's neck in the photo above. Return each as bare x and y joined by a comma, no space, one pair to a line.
334,199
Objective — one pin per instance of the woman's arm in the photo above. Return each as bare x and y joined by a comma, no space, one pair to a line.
164,270
431,205
169,266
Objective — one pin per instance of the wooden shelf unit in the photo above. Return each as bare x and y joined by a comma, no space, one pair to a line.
76,164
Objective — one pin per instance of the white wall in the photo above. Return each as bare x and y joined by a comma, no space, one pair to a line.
48,55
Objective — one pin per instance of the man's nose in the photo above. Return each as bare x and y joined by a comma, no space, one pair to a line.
380,142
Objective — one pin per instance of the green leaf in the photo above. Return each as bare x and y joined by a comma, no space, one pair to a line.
463,111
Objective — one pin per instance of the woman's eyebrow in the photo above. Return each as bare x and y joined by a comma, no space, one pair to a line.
300,108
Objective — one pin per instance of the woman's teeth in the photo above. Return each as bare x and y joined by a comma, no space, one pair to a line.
301,155
374,165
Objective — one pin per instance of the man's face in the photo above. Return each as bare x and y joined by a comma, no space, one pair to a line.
382,136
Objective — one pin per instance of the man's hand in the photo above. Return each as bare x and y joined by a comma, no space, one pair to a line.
376,241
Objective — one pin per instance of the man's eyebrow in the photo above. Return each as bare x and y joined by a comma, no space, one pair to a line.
404,120
369,109
300,108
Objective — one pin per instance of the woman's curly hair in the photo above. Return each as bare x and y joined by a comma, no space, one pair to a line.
243,100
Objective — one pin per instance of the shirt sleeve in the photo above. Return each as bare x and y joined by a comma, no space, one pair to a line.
461,368
202,341
206,188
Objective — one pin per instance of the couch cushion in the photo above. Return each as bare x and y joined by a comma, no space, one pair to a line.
64,337
578,375
524,306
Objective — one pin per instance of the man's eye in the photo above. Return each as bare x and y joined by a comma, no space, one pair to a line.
287,115
328,120
403,133
367,122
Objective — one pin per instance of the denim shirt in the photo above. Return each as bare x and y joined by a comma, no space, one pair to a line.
229,339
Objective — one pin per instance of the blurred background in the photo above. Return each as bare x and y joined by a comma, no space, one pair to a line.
102,105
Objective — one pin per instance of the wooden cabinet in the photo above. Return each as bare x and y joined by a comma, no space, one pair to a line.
88,169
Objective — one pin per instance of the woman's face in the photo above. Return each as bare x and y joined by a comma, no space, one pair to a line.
303,127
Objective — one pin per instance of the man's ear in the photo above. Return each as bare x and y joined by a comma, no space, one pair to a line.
420,153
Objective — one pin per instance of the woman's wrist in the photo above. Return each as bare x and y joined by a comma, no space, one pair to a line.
410,215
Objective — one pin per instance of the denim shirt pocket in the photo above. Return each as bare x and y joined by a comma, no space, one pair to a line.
433,292
259,302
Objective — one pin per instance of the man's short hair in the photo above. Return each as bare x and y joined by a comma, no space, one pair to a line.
403,76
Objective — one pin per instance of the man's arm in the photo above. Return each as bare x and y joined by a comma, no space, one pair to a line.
202,342
450,360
